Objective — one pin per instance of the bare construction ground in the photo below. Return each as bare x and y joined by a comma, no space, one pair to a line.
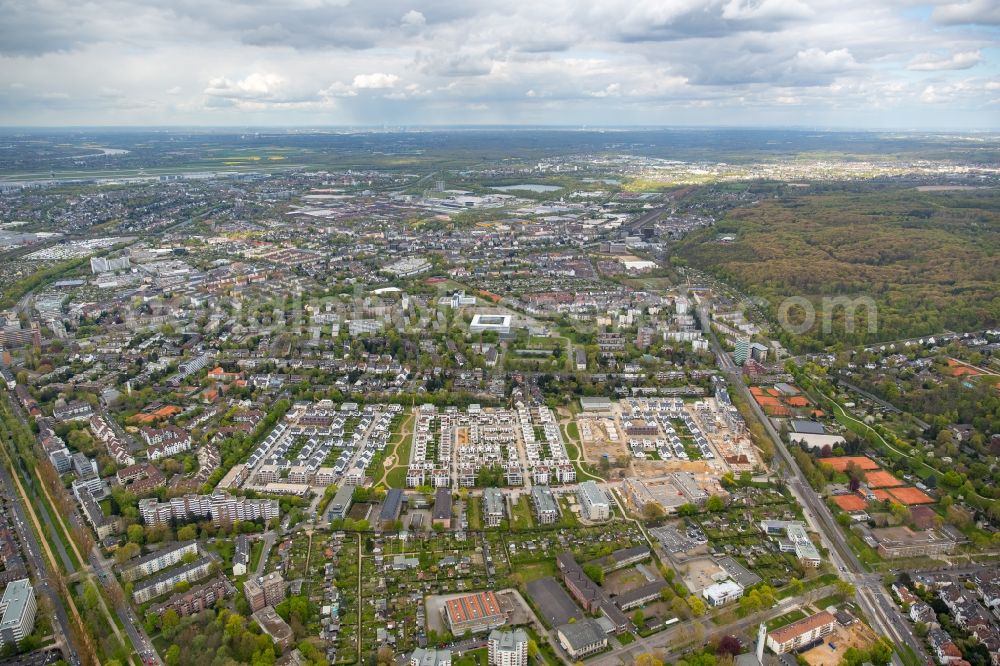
698,573
857,635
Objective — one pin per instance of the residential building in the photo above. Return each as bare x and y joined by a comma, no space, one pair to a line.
268,590
275,627
508,648
165,581
341,503
241,556
742,352
493,507
197,599
544,502
595,503
158,560
801,633
17,612
221,508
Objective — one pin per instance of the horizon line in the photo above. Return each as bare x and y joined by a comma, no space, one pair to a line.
399,127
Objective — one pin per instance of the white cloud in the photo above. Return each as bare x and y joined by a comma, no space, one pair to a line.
258,86
766,9
818,60
413,19
936,63
973,11
375,81
619,61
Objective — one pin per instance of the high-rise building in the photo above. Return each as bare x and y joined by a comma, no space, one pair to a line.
742,351
17,612
508,648
266,591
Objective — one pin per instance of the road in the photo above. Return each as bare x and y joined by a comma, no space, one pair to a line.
133,627
871,596
38,565
673,636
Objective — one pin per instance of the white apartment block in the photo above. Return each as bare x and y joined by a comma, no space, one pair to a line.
595,503
17,612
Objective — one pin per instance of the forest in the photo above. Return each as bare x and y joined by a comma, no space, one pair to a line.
928,259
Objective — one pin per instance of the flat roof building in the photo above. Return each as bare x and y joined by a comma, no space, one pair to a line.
595,404
594,501
508,648
544,502
501,323
722,593
17,607
341,503
430,657
493,507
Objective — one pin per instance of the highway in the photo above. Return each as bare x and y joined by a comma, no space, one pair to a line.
871,596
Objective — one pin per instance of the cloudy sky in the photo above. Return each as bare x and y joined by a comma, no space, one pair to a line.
848,63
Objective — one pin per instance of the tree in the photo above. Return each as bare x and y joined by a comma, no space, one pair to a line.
594,572
715,504
169,622
127,552
136,534
639,619
653,512
173,655
687,509
187,533
730,645
647,659
697,606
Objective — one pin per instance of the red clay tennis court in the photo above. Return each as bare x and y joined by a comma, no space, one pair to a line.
882,479
840,463
850,503
881,495
911,496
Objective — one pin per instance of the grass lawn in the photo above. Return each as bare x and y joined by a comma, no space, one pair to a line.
536,570
522,519
474,511
787,618
396,478
832,600
473,658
